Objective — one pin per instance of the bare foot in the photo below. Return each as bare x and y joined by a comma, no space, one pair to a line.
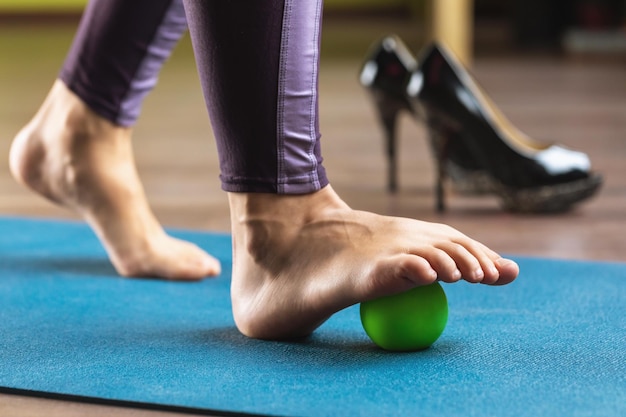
77,159
299,259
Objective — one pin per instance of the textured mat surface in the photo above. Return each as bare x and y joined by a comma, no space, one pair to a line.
551,344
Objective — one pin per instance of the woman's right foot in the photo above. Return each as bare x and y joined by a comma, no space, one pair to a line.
79,160
298,259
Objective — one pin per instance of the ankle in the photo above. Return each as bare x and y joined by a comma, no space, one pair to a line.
65,117
80,122
292,208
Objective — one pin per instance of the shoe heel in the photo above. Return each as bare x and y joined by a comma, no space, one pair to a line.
388,112
439,141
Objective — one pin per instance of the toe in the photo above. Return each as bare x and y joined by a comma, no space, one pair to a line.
508,269
471,269
397,274
445,266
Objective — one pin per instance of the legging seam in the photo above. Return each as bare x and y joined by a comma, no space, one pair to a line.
280,113
314,98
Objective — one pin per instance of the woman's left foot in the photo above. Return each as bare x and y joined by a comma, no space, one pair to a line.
79,160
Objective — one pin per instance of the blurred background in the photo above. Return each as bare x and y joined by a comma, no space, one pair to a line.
569,26
556,68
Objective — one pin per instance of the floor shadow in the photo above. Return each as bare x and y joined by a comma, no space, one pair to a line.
32,266
325,348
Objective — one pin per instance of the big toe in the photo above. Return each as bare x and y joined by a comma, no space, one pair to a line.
397,274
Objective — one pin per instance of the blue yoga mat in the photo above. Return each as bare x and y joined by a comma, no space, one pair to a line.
551,344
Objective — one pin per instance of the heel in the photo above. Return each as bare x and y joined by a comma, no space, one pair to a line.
388,112
385,74
440,204
439,141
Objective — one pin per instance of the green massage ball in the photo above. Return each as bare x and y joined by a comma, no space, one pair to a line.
412,320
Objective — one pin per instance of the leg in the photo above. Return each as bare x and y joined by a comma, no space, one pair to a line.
77,150
300,253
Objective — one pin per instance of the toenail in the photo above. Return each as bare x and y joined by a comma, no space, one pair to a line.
479,274
502,262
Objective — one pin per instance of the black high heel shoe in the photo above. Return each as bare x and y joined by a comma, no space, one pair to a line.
526,175
473,144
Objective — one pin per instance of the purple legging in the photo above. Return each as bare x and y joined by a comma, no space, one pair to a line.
258,65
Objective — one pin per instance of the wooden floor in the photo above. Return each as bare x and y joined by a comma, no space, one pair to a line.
578,103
